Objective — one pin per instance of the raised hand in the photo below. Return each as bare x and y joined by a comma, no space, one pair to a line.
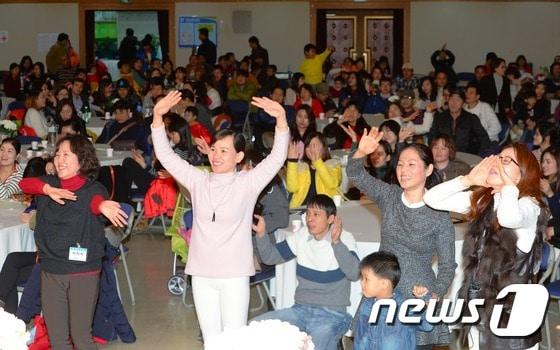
164,105
405,133
260,227
369,142
479,174
336,230
292,150
112,211
59,194
273,109
201,145
350,132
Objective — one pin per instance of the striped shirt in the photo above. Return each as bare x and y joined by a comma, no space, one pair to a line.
11,185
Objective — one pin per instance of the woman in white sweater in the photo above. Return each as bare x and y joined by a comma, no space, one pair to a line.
502,200
34,117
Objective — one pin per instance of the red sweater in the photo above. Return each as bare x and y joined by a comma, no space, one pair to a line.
34,185
315,106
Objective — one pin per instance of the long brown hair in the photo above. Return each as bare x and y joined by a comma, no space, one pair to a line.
529,185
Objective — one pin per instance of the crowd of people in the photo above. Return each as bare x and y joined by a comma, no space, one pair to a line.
267,144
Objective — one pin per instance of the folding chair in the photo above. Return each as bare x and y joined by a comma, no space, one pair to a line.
127,208
138,199
260,280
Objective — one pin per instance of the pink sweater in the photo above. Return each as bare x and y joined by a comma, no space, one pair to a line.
223,248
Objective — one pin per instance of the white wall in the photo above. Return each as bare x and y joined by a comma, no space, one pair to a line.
471,29
282,28
24,21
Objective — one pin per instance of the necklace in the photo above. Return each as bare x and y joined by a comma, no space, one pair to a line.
226,194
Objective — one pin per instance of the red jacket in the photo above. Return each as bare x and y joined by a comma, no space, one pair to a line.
316,106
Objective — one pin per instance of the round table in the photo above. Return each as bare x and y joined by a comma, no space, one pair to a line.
14,236
363,220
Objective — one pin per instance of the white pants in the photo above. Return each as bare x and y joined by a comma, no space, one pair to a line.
474,336
220,303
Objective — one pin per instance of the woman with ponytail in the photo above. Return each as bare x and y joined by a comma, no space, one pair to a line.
502,200
410,230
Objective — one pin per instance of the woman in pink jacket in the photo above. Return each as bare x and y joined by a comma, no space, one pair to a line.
221,252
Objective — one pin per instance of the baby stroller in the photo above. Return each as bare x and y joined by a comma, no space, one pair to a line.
180,231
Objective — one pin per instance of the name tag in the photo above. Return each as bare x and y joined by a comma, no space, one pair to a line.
77,254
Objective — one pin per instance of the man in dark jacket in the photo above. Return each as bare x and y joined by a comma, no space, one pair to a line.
443,60
258,53
129,46
495,90
462,126
207,49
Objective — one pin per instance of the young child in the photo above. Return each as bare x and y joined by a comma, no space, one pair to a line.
197,130
336,90
327,263
380,275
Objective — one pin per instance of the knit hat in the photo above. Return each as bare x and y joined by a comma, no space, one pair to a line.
122,83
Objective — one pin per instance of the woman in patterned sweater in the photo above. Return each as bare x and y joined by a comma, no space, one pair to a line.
410,229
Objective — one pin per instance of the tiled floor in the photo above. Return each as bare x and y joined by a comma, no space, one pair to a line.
160,320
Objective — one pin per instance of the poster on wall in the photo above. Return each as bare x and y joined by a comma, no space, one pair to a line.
4,36
188,30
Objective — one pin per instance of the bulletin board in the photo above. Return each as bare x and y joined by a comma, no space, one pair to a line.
188,30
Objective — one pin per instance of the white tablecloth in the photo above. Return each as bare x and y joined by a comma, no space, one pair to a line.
363,220
96,125
14,236
101,151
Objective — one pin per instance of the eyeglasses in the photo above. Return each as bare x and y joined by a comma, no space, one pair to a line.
507,160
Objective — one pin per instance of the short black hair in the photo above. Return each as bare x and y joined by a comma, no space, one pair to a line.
203,31
323,202
238,139
35,167
187,94
14,142
254,40
243,72
480,66
62,37
122,105
13,65
457,92
78,80
384,265
157,81
193,110
473,85
273,67
309,47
